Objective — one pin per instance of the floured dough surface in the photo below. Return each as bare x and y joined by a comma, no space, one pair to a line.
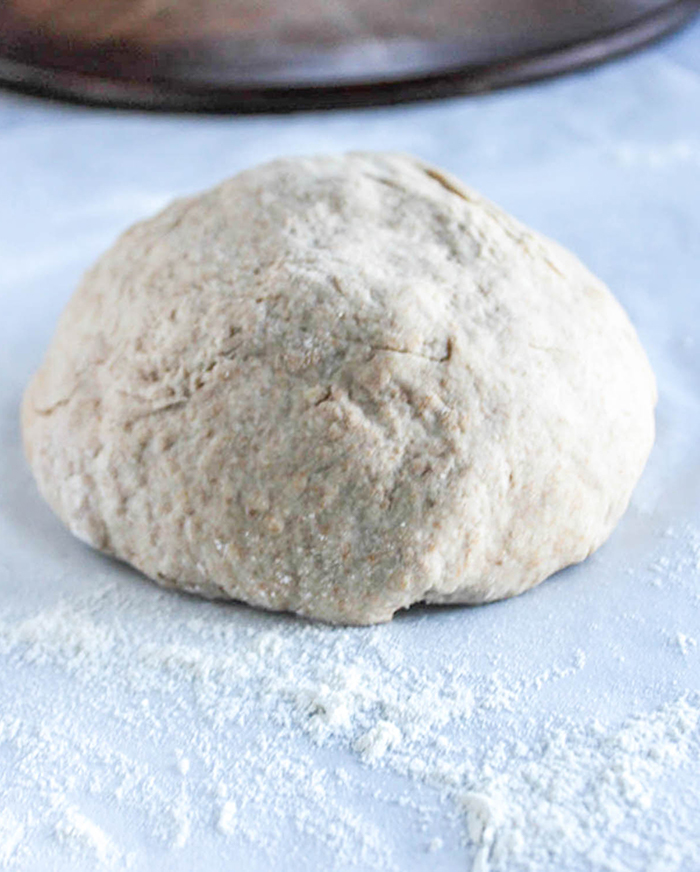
338,386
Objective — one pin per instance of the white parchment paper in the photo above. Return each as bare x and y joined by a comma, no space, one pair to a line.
147,730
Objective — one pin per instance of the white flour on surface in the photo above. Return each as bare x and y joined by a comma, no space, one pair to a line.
11,834
78,832
142,670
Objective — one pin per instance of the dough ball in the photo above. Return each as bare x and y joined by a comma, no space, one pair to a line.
339,386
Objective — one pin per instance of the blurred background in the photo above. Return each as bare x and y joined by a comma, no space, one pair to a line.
276,55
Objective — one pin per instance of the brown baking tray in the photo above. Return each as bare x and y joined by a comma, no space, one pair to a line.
273,56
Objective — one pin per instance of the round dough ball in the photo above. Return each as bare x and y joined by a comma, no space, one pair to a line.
339,386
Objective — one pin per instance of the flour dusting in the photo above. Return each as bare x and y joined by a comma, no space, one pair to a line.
144,671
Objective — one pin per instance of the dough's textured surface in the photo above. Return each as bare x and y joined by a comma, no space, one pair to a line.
338,386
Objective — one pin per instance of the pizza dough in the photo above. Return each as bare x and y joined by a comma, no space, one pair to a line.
338,386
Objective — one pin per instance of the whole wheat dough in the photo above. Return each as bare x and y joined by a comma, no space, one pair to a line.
338,386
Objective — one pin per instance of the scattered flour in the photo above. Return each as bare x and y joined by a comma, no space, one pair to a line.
11,834
82,834
587,793
686,643
374,744
145,670
227,818
435,844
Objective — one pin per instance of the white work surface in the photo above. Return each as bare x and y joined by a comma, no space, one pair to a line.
146,730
